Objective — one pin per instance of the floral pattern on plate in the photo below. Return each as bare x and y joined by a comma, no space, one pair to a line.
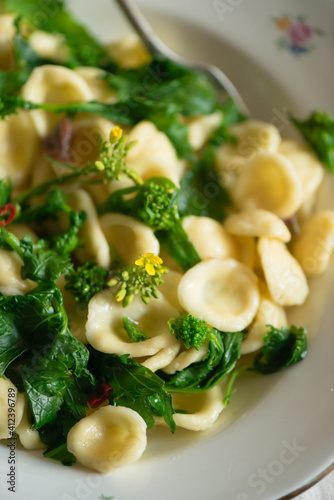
299,36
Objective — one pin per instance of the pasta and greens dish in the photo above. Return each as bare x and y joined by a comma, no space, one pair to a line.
150,238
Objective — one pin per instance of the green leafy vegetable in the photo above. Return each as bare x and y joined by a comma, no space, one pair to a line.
318,131
190,330
283,347
6,188
134,386
52,16
134,332
86,280
223,353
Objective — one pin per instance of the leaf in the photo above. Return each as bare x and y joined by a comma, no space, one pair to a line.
11,344
134,332
318,131
223,353
202,193
52,16
6,188
134,386
282,348
11,81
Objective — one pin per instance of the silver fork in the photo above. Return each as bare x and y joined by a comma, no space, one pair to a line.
155,46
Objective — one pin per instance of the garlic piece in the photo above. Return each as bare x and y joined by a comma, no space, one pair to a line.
284,276
224,293
257,222
111,437
314,246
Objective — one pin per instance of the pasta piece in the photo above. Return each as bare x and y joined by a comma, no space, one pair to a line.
16,161
56,85
252,136
224,293
209,238
200,128
154,154
308,168
204,409
20,230
130,52
100,89
169,287
105,331
129,236
314,246
11,408
186,358
269,181
11,282
269,313
29,437
257,222
95,245
284,276
246,250
163,358
7,32
111,437
49,45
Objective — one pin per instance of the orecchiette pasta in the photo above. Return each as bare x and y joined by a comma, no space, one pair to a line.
111,437
29,437
200,128
314,246
55,85
11,282
105,331
154,154
49,45
16,161
209,238
269,313
204,409
130,52
95,245
128,236
224,293
308,168
268,181
257,222
252,136
284,276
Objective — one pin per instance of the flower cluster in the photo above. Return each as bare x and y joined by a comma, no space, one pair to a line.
142,278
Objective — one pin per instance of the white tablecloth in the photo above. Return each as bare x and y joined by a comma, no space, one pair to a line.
324,490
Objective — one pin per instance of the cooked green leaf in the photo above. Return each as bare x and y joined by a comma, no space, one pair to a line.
318,131
283,347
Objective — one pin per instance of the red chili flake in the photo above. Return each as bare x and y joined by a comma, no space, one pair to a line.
8,213
100,396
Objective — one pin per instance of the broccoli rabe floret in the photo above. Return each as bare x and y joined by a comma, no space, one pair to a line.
190,330
156,204
85,281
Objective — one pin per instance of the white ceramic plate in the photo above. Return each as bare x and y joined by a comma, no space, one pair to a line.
277,434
